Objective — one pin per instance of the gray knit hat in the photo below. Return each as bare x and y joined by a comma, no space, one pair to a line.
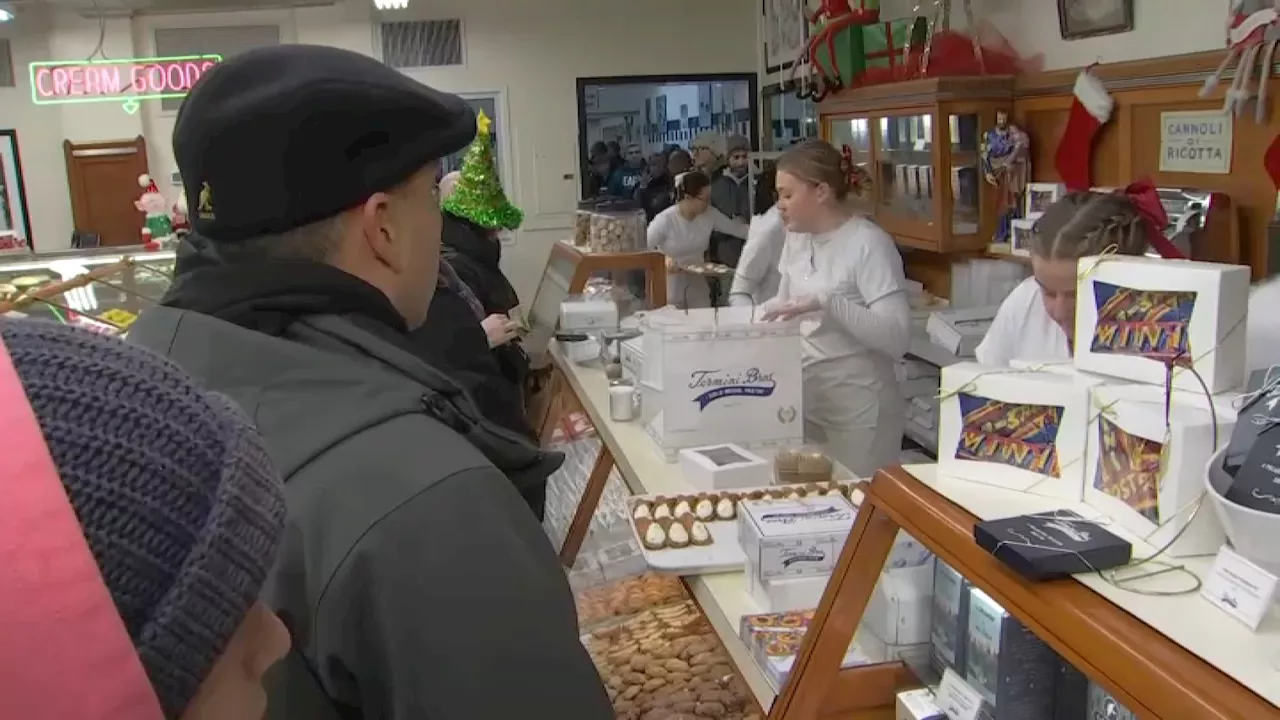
177,498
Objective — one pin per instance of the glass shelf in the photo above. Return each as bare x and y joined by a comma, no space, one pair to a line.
965,177
905,172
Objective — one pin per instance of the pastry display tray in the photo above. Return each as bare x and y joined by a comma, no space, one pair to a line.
724,554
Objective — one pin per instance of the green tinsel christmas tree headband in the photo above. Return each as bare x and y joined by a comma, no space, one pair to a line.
478,196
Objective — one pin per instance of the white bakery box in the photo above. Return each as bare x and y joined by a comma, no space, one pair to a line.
1016,429
960,330
588,314
724,467
1146,466
1135,314
717,376
797,537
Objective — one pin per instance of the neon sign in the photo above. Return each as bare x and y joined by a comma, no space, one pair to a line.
124,81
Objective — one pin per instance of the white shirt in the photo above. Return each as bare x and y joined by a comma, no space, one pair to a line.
849,270
756,279
686,241
1023,330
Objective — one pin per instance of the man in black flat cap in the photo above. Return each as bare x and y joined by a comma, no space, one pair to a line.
413,578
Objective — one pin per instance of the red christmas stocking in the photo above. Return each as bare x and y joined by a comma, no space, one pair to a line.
1271,161
1090,110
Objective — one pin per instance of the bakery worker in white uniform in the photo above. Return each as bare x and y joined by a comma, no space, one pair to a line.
756,278
682,232
842,278
1036,321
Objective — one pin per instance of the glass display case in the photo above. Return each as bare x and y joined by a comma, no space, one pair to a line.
642,275
918,142
104,289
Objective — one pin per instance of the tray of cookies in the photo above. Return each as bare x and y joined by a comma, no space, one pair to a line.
698,533
667,663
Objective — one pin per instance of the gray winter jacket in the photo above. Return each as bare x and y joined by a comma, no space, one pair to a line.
413,578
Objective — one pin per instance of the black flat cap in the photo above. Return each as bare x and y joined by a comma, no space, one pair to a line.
281,137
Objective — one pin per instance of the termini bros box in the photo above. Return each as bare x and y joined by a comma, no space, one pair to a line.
1134,315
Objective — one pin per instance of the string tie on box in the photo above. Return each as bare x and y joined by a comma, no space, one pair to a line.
972,384
1107,253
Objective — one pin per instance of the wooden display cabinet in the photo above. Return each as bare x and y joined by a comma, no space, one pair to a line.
1146,671
567,272
919,141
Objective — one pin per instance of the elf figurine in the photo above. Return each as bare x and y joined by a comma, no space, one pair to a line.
157,224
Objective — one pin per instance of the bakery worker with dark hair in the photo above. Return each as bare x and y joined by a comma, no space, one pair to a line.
412,575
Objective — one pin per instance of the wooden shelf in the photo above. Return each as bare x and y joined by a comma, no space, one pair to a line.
1145,670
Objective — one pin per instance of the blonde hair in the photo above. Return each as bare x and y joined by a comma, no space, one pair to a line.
1086,223
817,162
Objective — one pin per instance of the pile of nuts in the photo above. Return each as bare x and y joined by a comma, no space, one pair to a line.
667,664
582,228
617,232
627,597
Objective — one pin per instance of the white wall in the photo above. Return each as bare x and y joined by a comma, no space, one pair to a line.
1161,28
532,52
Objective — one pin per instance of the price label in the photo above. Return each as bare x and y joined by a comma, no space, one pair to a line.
118,317
957,698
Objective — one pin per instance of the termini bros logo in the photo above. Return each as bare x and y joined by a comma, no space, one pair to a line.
123,81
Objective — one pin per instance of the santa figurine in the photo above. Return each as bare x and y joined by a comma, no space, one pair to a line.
181,220
157,225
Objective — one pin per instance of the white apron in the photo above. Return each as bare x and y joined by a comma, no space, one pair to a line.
852,405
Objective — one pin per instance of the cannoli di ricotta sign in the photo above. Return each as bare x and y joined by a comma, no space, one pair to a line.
127,82
1196,142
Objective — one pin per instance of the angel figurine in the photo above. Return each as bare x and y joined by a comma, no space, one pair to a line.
1005,156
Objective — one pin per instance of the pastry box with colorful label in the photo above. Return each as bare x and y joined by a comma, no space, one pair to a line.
1018,429
1147,463
1135,315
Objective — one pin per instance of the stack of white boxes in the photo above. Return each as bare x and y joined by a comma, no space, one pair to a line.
792,546
919,381
1098,430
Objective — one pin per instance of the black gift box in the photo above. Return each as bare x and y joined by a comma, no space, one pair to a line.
1050,545
1257,481
1259,414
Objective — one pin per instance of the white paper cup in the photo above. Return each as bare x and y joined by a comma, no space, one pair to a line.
1252,533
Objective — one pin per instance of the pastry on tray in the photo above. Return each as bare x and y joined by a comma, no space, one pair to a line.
726,509
652,534
682,508
700,534
677,534
642,511
661,508
705,508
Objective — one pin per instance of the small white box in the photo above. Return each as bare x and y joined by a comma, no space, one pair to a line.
959,331
631,356
1148,476
724,467
778,595
898,613
588,315
1018,429
918,704
1134,313
794,538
